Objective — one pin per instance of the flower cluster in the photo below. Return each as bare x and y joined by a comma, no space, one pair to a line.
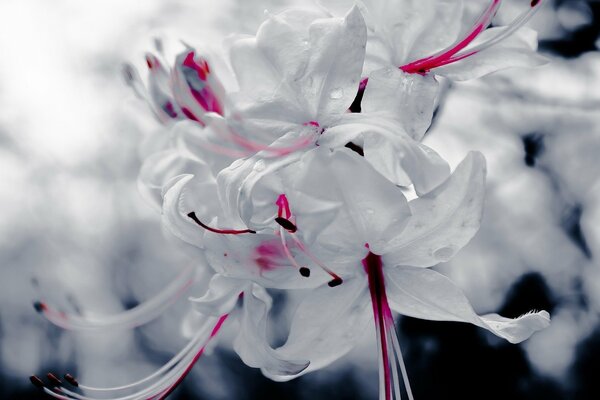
297,177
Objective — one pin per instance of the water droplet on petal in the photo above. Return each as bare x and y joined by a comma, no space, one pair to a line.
236,164
444,253
336,93
259,166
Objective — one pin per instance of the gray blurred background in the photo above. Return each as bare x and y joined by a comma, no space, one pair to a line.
75,231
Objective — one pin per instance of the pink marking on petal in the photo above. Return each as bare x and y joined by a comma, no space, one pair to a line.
270,255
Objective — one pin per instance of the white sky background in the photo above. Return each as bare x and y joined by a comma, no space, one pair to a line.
72,218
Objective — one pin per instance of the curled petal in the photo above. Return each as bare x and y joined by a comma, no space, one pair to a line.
251,343
182,195
444,220
159,168
427,294
326,325
221,296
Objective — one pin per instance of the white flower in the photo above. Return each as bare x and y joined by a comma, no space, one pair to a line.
300,75
379,245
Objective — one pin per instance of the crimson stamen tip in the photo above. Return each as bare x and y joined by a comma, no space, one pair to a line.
71,379
39,306
53,379
36,381
305,272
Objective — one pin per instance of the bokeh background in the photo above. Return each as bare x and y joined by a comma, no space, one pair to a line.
75,231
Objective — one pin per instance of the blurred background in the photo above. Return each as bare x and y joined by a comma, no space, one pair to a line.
75,231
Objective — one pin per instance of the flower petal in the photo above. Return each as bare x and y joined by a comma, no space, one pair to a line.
251,343
518,50
443,220
184,194
337,51
159,168
392,152
326,325
221,296
375,210
407,98
427,294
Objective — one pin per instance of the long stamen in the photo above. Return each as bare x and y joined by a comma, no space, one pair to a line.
288,253
254,146
396,344
387,336
336,281
284,214
169,376
137,316
509,30
192,215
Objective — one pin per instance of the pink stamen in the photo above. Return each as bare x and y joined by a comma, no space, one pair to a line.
425,64
284,206
373,266
185,373
193,216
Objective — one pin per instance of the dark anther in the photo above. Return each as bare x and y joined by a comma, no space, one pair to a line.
39,306
71,379
355,148
53,379
335,282
287,224
534,3
37,382
305,272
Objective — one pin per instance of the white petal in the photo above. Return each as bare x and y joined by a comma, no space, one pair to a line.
407,98
392,152
337,50
159,168
427,294
326,325
251,343
375,210
221,296
184,194
518,50
443,220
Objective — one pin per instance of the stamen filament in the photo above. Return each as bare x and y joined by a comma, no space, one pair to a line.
509,30
337,280
287,251
137,316
192,215
427,63
172,373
